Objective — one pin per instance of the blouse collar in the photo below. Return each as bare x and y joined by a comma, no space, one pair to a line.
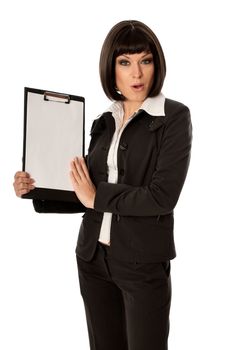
154,106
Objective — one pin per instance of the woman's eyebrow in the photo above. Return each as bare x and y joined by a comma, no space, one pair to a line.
128,57
122,55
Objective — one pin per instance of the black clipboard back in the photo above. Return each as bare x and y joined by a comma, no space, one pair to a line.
54,133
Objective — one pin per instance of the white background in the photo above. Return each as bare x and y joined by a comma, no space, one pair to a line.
55,46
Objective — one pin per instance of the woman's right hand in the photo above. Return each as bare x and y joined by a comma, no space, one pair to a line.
23,183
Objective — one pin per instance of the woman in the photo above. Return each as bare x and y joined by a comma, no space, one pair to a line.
128,186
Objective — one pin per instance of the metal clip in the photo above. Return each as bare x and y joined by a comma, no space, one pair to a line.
56,97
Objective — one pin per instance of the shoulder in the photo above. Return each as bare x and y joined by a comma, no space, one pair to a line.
177,117
173,107
99,124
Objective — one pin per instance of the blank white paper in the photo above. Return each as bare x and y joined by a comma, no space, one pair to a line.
54,136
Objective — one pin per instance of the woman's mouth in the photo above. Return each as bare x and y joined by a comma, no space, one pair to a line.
137,87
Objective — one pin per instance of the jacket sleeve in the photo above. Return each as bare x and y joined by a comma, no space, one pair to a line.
161,195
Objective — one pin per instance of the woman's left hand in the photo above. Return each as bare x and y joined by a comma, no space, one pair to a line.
82,184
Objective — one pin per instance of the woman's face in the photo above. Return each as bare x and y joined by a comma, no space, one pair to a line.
134,75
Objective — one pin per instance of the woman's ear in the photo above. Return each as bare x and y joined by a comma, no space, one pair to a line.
117,90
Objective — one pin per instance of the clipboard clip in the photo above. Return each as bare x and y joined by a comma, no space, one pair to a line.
56,97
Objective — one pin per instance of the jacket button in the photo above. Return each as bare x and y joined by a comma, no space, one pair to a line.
121,172
123,146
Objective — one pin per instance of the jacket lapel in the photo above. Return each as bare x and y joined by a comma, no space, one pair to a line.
156,122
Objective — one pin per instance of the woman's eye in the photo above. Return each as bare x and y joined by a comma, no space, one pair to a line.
123,62
147,61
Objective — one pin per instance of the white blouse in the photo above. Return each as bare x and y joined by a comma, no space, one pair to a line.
153,106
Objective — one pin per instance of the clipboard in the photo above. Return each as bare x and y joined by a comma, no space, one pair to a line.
54,133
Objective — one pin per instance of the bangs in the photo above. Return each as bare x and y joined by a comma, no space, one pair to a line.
132,41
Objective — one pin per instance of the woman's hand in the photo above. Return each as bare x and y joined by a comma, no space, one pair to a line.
23,183
82,184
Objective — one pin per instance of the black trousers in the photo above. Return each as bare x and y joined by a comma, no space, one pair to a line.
127,304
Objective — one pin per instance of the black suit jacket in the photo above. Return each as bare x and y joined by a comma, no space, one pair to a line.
153,159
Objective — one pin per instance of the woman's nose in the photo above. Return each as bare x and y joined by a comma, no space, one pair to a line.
136,71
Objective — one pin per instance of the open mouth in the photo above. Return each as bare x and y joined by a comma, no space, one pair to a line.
137,87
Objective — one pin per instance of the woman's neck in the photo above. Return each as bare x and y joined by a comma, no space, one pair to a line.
130,108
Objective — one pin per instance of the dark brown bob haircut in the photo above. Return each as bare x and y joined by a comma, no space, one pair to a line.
129,37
